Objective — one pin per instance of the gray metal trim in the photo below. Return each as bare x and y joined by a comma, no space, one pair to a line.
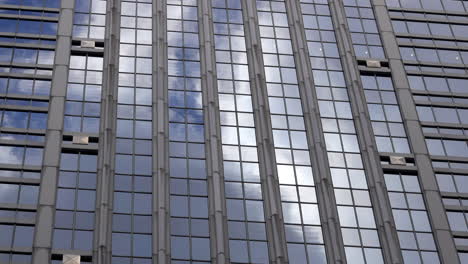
161,219
46,206
102,250
214,154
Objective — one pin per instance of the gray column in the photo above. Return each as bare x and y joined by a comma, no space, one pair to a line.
105,185
161,228
371,158
214,161
435,207
266,151
46,206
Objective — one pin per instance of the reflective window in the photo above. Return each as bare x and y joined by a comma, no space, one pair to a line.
76,198
411,218
351,192
363,28
245,206
188,185
133,184
82,107
16,236
89,19
297,189
384,113
20,26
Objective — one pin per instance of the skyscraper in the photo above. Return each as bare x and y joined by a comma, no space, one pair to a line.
233,131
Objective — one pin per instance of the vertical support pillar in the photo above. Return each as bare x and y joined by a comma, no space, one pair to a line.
266,151
440,226
214,154
46,206
105,185
161,226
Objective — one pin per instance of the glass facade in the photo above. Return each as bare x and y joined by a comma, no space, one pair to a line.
341,128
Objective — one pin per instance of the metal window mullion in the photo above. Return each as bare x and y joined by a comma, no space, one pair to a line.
49,176
214,155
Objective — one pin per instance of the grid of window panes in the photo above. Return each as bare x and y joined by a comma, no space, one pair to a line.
348,176
82,106
438,5
21,27
89,19
297,189
26,60
433,30
363,29
190,241
411,219
133,183
76,202
434,55
244,199
385,114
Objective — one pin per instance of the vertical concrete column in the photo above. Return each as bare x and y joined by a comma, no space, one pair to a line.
105,185
214,154
266,151
440,226
371,158
46,206
161,227
325,194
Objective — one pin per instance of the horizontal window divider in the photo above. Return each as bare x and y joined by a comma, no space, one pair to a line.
445,136
454,195
27,45
425,92
5,142
11,220
426,11
25,108
30,8
449,158
39,132
440,65
445,125
457,208
26,17
420,45
24,181
428,19
441,104
29,36
28,207
435,74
